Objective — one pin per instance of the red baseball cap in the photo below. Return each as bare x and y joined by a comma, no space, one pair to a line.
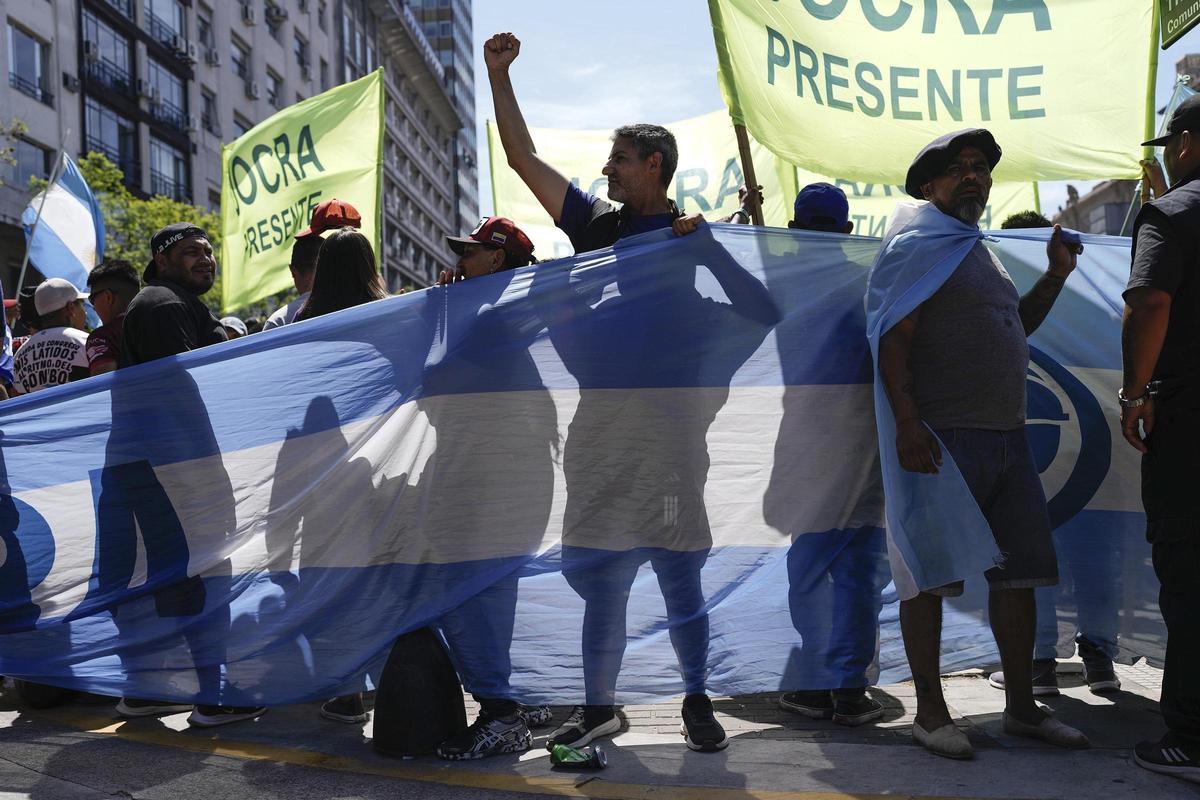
499,232
332,213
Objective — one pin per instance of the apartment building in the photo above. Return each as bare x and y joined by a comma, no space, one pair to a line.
159,85
447,25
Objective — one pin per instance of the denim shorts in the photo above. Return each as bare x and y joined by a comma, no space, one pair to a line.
999,469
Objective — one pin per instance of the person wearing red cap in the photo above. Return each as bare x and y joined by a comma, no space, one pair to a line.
326,216
495,245
12,311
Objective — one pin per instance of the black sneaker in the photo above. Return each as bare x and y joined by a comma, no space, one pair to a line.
857,711
811,704
487,736
1169,757
212,716
1045,678
1097,668
131,708
348,709
700,728
536,716
585,724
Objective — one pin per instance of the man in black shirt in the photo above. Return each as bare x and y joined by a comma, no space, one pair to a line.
1161,352
167,317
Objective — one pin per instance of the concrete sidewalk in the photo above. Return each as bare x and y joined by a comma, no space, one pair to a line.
85,752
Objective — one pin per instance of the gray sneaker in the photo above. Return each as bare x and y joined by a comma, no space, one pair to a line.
487,737
1045,679
1097,668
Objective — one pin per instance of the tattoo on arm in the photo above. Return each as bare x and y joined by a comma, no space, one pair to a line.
1035,305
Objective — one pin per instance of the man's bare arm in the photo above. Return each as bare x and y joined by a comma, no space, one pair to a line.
546,183
1038,301
916,445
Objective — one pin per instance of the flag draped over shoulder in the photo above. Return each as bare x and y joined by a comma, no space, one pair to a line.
675,428
856,89
936,532
275,174
68,239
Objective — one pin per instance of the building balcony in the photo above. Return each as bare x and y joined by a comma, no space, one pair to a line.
161,30
130,168
123,6
169,114
28,87
111,77
168,187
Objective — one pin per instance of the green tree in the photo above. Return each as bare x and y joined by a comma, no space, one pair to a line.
9,133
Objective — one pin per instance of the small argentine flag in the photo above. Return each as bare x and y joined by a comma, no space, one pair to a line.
68,240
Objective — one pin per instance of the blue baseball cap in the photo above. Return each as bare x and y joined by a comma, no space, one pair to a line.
822,207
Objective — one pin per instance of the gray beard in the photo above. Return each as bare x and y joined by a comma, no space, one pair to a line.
969,210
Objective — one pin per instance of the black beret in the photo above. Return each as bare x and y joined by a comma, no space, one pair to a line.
935,156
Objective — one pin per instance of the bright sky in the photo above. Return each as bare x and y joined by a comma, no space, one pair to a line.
599,65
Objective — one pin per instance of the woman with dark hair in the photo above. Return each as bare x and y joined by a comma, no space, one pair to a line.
346,275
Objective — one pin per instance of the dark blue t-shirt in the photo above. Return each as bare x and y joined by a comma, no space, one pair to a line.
580,208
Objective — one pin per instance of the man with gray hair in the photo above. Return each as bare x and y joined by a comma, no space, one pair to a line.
639,169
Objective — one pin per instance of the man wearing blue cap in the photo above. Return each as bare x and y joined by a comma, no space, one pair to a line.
822,207
949,332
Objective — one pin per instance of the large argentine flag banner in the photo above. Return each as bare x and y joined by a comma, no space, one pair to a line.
623,475
68,240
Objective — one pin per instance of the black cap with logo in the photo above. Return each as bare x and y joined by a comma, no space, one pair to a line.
1185,118
167,238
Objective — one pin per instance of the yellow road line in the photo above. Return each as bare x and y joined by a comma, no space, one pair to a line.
560,786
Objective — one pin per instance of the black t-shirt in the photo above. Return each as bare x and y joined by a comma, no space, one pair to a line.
164,320
1163,260
581,209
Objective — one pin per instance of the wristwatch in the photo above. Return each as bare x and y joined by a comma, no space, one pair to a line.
1132,402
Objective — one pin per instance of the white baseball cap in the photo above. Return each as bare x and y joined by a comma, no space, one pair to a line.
55,293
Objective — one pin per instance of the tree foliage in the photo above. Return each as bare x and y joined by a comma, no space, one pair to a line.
9,133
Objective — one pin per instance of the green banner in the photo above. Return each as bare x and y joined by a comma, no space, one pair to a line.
857,87
1177,18
275,174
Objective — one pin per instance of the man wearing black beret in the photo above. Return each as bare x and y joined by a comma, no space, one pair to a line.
954,372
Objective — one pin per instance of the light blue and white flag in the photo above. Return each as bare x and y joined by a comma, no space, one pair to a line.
673,439
68,240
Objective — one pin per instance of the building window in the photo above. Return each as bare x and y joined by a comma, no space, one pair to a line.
241,124
168,171
239,58
214,200
324,75
31,161
274,16
274,89
27,65
168,103
165,20
204,29
300,48
210,118
115,136
106,55
321,14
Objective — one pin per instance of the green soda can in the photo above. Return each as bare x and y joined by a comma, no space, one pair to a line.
567,757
